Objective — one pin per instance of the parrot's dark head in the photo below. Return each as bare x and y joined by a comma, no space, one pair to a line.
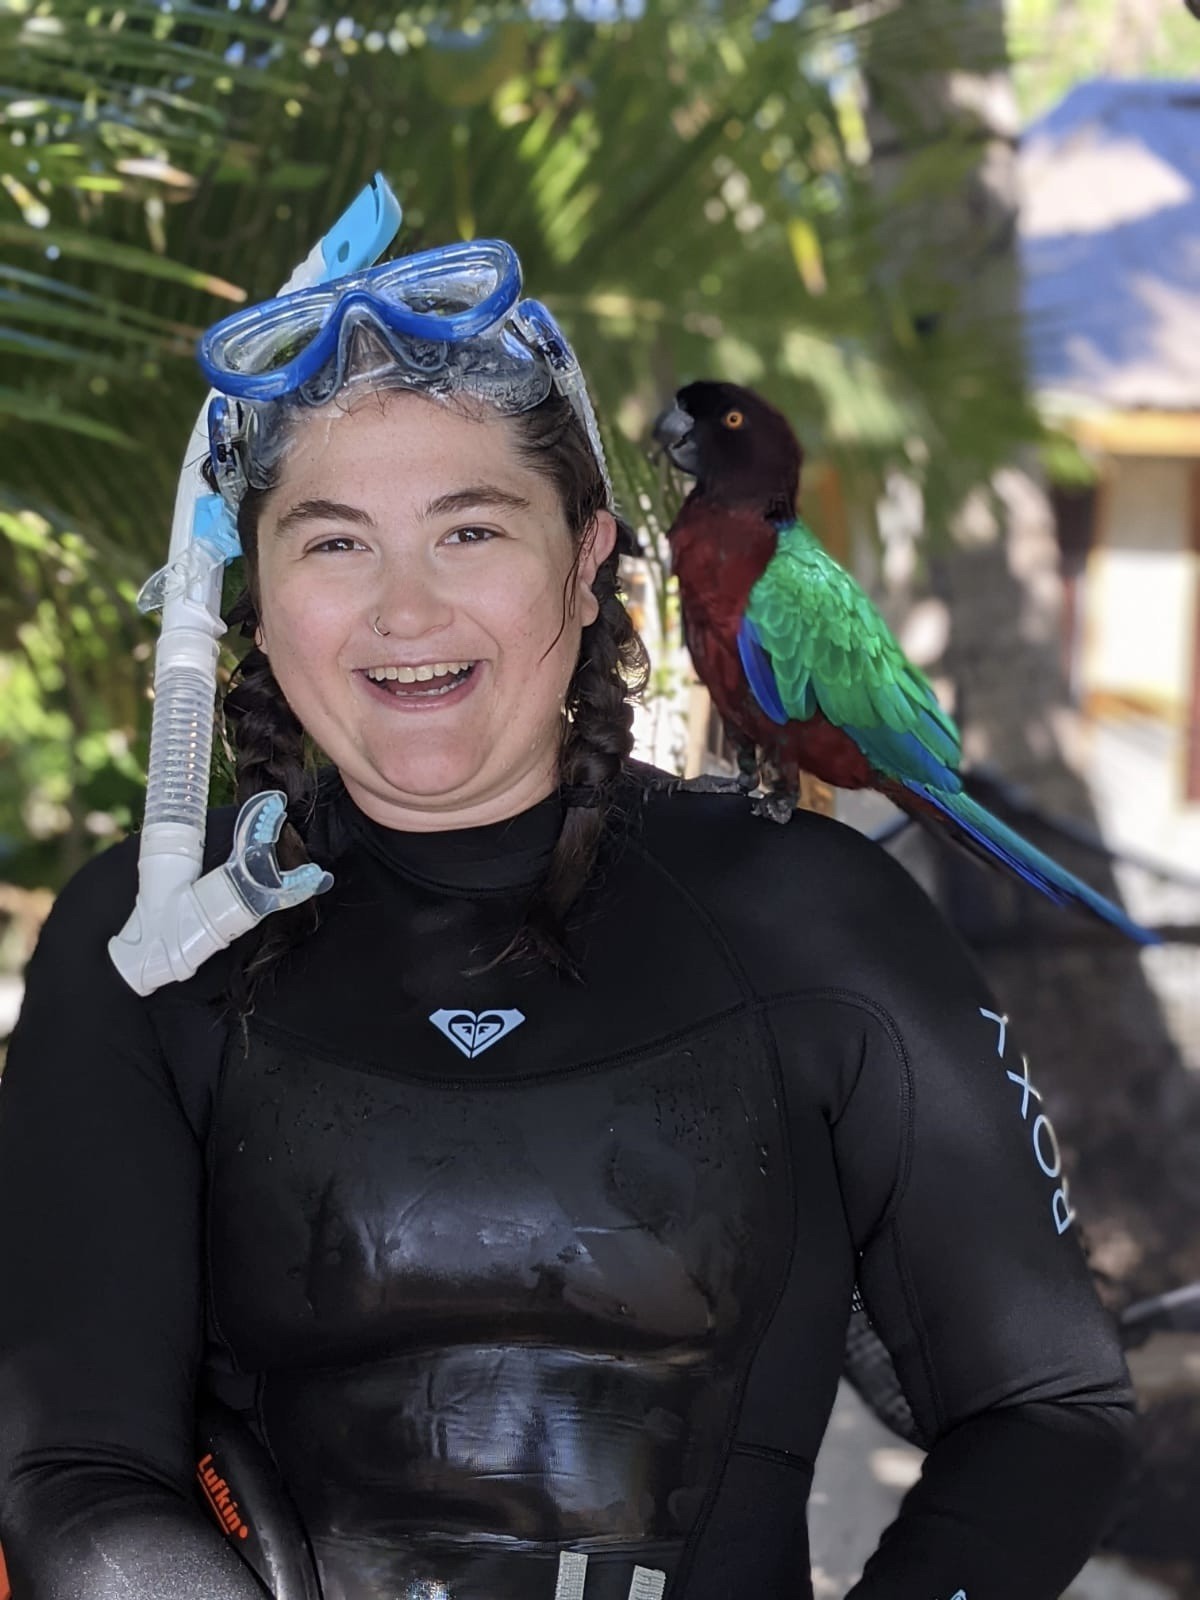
740,450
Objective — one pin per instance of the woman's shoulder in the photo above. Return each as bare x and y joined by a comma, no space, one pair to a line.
712,835
825,899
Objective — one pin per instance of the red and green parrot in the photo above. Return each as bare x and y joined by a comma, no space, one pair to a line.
800,665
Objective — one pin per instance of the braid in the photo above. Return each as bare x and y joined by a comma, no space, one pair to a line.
612,668
269,750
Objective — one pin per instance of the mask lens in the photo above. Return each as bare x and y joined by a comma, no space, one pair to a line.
271,336
468,295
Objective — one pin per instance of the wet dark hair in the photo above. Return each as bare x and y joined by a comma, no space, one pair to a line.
270,750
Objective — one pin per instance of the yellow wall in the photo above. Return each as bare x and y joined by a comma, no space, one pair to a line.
1141,587
1140,606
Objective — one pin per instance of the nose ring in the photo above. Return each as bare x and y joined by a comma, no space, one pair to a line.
382,632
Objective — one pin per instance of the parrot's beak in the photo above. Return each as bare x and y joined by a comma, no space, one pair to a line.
673,431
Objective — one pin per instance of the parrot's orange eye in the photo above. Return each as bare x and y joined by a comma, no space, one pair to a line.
733,419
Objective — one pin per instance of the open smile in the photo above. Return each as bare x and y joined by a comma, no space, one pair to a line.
422,687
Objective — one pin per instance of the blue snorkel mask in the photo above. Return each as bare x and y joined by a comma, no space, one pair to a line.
445,323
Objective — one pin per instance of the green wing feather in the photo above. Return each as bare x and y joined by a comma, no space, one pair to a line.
831,650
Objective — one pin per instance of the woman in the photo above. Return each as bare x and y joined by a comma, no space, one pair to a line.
518,1199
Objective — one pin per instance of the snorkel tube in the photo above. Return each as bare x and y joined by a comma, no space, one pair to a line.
180,919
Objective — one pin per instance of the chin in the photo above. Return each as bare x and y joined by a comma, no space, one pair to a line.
445,769
428,779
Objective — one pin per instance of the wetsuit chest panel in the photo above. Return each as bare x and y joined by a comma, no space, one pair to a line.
489,1306
407,952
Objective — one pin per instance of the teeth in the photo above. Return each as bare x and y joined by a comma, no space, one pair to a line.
437,669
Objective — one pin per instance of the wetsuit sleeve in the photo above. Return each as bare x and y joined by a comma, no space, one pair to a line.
100,1304
972,1273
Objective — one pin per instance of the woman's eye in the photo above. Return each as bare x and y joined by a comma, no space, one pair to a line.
341,541
469,536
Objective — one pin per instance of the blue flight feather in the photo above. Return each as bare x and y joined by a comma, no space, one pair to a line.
756,664
904,756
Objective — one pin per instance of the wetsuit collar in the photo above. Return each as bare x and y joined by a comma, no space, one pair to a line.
510,854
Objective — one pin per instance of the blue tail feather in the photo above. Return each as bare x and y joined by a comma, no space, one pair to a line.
1027,861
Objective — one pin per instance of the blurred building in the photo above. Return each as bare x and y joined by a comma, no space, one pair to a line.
1110,253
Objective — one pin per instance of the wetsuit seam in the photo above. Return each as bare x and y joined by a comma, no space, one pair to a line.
687,1555
458,891
887,1022
264,1433
172,1083
888,1222
258,1375
210,1171
712,927
273,1030
912,1304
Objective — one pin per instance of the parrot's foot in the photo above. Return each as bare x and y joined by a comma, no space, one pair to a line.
781,791
747,778
711,783
747,764
777,805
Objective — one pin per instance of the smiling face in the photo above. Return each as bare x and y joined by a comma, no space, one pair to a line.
427,519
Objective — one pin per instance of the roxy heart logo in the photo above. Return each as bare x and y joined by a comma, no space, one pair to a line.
476,1031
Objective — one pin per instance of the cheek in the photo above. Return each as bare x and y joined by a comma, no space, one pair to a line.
539,646
526,610
300,596
304,624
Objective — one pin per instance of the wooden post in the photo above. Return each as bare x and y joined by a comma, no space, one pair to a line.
815,795
698,718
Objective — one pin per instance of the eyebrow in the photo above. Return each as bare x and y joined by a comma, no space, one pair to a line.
477,494
322,511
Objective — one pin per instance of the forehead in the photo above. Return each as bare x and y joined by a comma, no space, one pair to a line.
397,442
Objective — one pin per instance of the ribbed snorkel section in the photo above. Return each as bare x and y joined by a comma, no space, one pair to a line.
181,739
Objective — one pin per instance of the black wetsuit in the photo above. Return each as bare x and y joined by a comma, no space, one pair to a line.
501,1266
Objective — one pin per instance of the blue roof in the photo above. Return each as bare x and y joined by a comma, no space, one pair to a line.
1110,246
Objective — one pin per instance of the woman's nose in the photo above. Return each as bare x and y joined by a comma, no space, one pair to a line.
409,603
